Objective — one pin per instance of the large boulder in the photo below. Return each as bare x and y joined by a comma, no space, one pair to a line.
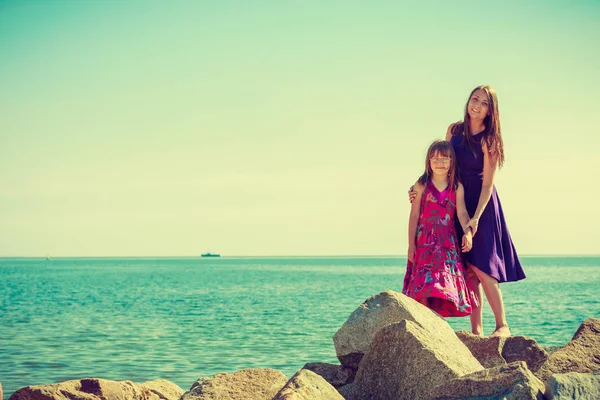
248,384
164,389
306,385
405,361
356,334
523,348
346,391
581,354
100,389
497,351
508,382
487,350
336,375
573,385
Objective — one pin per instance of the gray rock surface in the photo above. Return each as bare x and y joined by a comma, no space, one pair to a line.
336,375
356,334
573,385
100,389
508,382
307,385
247,384
581,354
405,361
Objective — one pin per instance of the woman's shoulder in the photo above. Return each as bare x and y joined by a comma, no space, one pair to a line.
454,129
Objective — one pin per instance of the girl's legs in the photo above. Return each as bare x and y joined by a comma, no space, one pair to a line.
477,314
494,297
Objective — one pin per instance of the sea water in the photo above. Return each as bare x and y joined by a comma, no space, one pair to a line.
180,319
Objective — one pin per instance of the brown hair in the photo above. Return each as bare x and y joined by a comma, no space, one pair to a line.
492,135
445,149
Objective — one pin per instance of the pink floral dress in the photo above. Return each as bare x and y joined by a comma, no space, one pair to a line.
438,271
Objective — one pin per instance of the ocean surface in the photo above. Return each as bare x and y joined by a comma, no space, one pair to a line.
180,319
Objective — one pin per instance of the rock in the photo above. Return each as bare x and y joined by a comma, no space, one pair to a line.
247,384
405,361
581,354
307,385
496,351
573,385
523,348
164,389
507,382
336,375
346,391
100,389
487,350
356,334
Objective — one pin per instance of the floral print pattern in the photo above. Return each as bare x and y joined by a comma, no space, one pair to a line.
438,272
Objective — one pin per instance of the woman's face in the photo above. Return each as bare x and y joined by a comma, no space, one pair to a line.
479,105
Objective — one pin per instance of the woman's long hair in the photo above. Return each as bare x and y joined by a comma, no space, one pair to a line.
492,135
444,149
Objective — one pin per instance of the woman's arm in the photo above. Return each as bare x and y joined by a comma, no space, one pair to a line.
461,208
463,217
490,164
413,221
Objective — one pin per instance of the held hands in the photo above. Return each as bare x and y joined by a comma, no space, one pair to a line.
467,241
412,249
412,193
473,224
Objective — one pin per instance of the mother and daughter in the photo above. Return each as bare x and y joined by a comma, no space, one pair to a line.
459,244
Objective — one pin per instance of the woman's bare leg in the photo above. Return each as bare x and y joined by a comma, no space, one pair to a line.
494,297
477,313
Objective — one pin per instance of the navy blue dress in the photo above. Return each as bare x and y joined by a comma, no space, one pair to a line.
493,251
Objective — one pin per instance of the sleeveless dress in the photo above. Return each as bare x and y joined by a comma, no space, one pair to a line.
493,251
438,271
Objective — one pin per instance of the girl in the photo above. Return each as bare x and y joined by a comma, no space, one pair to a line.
435,274
479,150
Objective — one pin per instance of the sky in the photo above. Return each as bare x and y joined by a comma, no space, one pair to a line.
152,128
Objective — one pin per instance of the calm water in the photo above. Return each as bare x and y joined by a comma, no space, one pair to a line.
181,319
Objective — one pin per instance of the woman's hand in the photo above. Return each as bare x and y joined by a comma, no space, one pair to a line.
412,193
412,250
473,224
467,241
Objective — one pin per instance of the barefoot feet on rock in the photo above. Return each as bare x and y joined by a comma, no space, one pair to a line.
502,331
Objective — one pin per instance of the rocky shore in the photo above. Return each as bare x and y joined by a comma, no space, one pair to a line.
391,347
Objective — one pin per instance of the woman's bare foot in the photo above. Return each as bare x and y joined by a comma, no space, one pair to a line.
477,332
502,331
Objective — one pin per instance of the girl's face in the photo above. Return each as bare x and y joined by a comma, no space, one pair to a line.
479,105
440,165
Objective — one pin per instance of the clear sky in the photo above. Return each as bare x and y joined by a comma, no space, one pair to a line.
155,128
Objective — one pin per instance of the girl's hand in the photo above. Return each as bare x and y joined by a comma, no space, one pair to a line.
412,250
473,224
412,193
467,241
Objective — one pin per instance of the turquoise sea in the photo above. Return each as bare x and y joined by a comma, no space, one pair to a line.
184,318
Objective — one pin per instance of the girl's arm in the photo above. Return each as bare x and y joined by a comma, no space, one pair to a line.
413,220
490,164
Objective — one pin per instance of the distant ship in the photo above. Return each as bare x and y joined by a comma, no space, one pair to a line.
210,255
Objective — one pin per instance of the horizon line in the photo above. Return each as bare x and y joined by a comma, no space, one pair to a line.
279,255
